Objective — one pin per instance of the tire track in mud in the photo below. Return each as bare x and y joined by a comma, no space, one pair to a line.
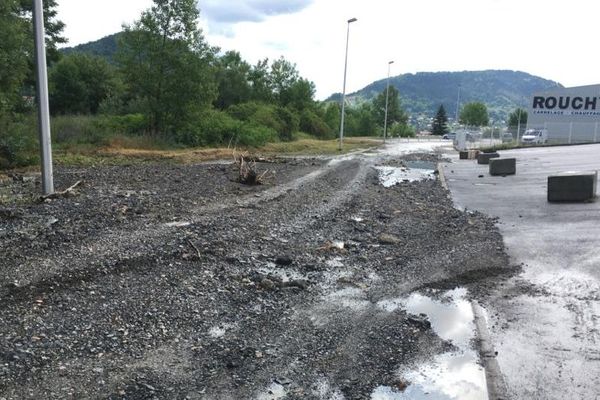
142,239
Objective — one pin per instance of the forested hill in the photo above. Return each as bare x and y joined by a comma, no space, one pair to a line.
422,93
105,47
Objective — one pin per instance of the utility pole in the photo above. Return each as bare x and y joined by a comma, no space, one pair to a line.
42,97
387,96
344,88
457,106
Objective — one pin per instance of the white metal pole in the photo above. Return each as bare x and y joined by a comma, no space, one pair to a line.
344,88
42,97
387,95
457,106
519,126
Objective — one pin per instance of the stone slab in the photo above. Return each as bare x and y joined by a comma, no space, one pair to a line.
503,166
463,155
573,186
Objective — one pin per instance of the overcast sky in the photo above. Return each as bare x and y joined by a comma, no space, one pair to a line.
554,39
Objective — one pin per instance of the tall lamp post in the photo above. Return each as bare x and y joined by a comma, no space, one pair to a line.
344,88
42,97
457,106
387,96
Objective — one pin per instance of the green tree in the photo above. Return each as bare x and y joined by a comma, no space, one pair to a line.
260,82
233,80
80,82
16,49
440,122
395,112
474,114
13,55
515,116
167,64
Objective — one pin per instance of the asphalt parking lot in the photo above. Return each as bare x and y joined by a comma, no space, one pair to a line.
545,323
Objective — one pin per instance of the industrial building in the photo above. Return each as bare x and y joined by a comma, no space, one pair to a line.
570,115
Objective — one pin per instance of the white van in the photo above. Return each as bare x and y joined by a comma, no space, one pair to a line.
535,136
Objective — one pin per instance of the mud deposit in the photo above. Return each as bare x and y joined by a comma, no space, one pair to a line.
175,282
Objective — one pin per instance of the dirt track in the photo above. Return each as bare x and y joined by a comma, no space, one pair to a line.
177,282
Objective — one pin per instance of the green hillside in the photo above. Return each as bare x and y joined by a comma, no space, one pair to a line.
105,47
422,93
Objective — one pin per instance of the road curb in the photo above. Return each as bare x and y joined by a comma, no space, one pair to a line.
496,385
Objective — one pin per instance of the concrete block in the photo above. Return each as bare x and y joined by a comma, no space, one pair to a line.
503,166
484,158
463,155
572,186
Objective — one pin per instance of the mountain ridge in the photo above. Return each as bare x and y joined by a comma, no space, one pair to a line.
423,92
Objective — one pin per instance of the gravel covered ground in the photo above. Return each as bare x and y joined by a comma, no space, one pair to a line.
174,282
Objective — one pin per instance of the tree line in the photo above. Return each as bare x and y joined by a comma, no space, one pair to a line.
166,83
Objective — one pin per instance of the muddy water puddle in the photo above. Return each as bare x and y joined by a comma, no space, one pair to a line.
449,376
413,172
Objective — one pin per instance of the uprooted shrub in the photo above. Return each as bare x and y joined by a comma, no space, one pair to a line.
248,174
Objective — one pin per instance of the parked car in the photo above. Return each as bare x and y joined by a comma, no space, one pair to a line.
535,136
449,136
507,137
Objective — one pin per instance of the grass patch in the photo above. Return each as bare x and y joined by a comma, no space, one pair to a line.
128,150
319,147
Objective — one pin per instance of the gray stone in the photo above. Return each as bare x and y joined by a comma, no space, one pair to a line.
484,158
463,155
572,186
503,166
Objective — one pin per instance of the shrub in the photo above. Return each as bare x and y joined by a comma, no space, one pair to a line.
279,119
79,129
18,143
213,127
313,124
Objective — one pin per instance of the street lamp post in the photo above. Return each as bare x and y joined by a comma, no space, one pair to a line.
457,106
519,126
344,88
42,97
387,95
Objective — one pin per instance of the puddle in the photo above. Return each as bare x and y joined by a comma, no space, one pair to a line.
450,376
390,176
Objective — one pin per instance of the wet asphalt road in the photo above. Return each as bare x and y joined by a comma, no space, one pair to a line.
545,323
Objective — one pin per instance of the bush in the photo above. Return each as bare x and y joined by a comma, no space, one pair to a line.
213,127
402,130
18,143
78,129
313,124
278,119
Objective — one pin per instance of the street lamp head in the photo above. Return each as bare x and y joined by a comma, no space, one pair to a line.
391,62
352,20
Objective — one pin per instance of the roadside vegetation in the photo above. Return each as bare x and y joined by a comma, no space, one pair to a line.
165,89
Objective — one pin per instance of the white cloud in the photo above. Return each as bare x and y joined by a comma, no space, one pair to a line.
552,38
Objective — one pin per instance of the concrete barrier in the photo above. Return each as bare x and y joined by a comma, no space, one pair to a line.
572,186
503,166
484,158
463,155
